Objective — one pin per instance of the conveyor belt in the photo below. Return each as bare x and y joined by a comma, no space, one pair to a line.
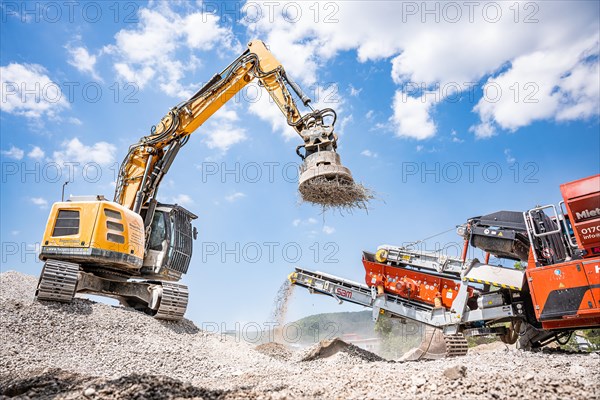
433,346
346,290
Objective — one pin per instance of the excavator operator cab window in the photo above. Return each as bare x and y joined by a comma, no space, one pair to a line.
159,231
170,240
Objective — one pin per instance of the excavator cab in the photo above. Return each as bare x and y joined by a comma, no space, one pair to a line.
169,242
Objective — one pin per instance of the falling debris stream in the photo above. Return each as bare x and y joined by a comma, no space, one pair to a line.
280,307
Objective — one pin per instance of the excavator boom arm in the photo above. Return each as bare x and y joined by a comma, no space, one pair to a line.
89,241
148,160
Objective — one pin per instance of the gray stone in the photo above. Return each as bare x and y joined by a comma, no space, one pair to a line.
456,372
86,345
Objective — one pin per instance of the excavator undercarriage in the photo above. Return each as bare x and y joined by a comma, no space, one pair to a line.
60,281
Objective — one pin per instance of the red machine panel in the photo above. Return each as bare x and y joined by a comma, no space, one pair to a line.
411,284
566,294
582,199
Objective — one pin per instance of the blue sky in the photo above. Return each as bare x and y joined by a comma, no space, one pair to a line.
446,114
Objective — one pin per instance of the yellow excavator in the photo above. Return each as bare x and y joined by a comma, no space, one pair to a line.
135,248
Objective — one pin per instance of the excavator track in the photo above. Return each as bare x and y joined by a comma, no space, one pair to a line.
173,302
58,281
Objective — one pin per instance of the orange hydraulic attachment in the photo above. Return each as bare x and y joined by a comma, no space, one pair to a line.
414,285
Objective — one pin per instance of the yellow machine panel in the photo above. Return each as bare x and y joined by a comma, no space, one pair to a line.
94,233
70,225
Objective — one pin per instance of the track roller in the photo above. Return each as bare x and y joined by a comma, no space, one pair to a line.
58,281
173,301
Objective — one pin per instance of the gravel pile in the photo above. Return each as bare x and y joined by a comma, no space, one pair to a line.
17,286
328,348
275,350
54,383
97,339
90,350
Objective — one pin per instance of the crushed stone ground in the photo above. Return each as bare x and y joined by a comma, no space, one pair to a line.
275,350
91,350
328,348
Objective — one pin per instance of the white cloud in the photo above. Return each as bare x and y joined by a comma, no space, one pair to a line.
151,39
412,117
369,153
28,91
80,58
40,202
224,136
298,59
326,96
182,200
139,76
14,152
227,114
509,157
444,52
304,222
559,84
221,132
203,32
73,150
265,108
75,121
15,233
36,153
369,114
455,138
328,230
346,120
379,126
148,52
354,92
483,130
235,196
262,105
